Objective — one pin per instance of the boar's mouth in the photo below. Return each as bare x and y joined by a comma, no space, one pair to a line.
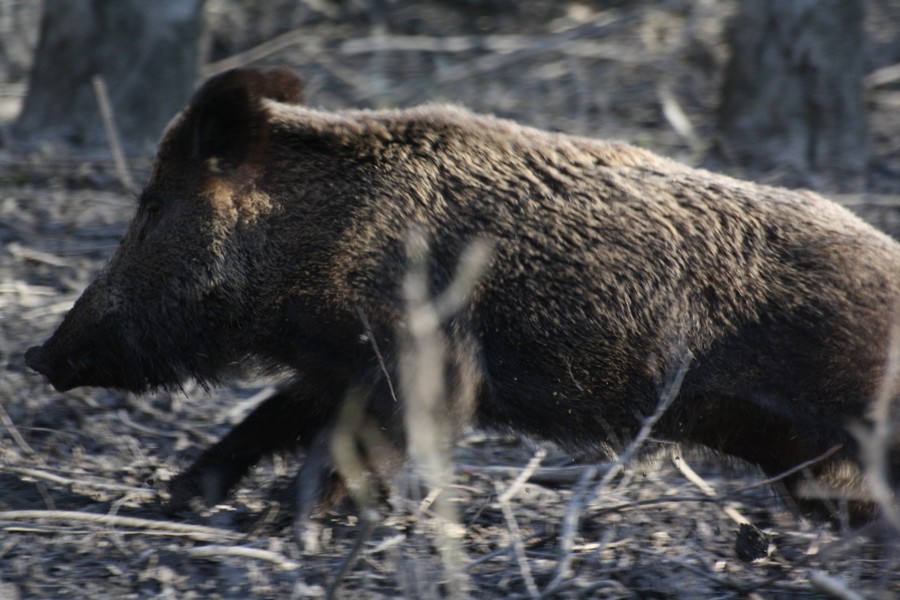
37,358
93,369
63,375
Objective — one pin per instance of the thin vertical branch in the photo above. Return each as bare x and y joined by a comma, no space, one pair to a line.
877,442
670,392
423,386
112,134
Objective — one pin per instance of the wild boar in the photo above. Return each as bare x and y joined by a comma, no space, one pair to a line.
272,234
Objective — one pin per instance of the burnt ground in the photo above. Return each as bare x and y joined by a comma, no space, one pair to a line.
80,472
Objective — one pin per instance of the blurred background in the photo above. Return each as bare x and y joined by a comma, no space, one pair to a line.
798,92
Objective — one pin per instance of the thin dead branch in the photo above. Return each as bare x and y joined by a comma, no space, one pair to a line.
84,483
877,442
422,363
574,509
705,487
112,134
199,532
524,475
517,543
216,551
668,395
7,422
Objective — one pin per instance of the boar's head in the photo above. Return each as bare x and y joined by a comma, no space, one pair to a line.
176,291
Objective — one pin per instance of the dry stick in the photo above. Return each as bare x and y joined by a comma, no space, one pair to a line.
502,44
573,512
422,362
19,251
367,329
112,135
284,41
789,472
511,523
7,422
518,544
705,487
574,509
169,527
652,502
504,500
876,442
67,481
344,449
524,475
883,76
213,550
668,396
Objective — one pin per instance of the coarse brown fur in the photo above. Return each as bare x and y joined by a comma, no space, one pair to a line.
269,232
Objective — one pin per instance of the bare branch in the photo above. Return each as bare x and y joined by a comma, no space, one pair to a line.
199,532
214,551
112,134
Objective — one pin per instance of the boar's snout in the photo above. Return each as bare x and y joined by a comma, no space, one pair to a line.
57,369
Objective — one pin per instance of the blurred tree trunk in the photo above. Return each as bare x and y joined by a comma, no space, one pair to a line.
792,96
145,51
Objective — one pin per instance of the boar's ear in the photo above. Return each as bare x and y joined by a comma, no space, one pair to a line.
227,119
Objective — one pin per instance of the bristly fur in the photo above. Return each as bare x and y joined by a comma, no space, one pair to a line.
268,227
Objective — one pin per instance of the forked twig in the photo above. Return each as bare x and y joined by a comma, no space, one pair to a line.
422,364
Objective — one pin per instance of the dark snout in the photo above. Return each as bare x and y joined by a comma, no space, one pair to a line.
58,371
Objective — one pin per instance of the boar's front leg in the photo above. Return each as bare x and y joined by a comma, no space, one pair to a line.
291,418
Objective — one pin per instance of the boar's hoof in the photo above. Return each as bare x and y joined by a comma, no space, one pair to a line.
208,484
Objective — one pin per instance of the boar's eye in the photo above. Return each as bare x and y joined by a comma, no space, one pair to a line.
152,210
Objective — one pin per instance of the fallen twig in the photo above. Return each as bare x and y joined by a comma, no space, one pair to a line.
7,422
21,252
517,543
574,510
666,398
194,531
215,551
705,487
70,482
524,475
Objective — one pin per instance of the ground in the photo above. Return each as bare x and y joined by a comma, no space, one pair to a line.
80,472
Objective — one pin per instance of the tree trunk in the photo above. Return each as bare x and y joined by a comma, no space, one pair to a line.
792,96
145,51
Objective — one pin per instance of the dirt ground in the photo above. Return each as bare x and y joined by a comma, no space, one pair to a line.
80,472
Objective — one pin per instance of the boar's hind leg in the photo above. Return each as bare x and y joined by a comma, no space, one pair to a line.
290,418
778,444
